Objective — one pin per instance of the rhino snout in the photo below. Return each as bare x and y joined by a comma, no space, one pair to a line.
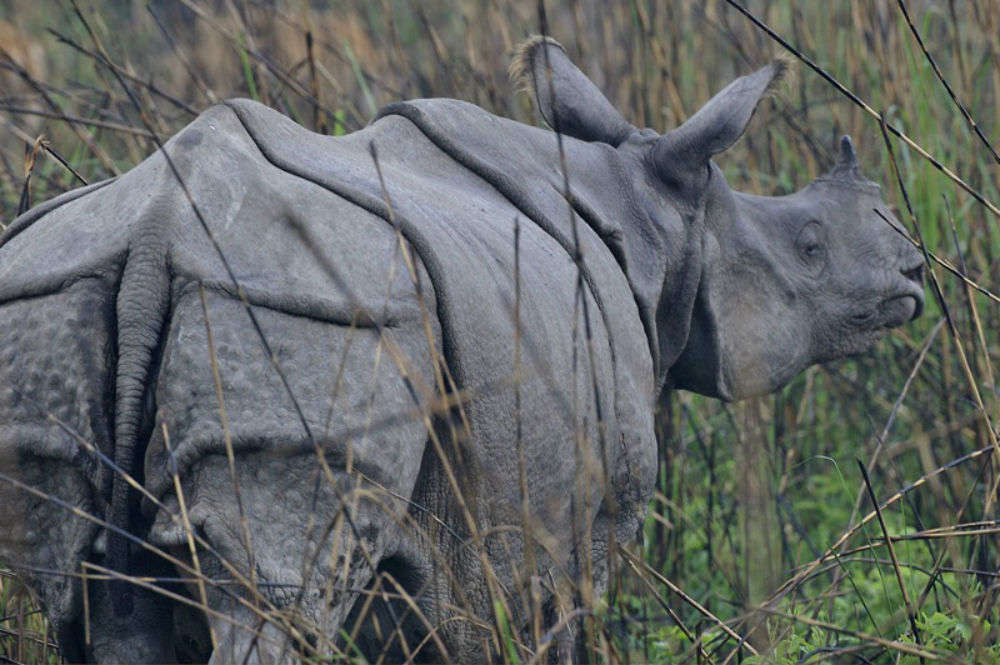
906,301
914,276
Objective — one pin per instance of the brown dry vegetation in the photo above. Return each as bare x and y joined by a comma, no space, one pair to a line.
751,496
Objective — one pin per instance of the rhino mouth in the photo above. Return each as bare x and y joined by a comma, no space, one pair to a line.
903,307
914,288
891,312
904,302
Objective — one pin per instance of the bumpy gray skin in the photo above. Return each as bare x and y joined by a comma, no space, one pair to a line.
105,357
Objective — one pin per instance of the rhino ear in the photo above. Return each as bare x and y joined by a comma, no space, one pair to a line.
569,101
718,124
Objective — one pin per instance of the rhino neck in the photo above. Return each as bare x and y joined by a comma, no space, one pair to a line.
682,273
657,240
664,241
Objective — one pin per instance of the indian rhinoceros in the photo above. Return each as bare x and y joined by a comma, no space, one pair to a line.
302,366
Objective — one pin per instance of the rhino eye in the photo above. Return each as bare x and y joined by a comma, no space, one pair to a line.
811,247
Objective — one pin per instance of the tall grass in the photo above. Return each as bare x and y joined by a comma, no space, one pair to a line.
737,557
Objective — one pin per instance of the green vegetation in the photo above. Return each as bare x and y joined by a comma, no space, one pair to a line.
752,497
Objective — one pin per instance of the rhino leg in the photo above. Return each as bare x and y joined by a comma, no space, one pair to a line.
265,643
143,636
54,387
316,526
306,562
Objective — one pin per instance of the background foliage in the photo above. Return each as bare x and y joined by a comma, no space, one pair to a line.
750,494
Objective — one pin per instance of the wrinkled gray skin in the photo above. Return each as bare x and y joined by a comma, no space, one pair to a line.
108,293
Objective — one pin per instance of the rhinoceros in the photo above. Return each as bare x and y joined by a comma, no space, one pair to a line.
266,372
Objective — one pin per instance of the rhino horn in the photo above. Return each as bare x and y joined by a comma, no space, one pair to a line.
847,170
847,156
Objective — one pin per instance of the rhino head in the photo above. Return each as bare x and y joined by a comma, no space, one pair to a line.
780,283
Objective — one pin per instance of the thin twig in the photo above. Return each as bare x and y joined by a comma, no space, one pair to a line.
104,124
892,555
689,600
973,125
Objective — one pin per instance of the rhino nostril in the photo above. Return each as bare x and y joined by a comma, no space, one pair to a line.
915,274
